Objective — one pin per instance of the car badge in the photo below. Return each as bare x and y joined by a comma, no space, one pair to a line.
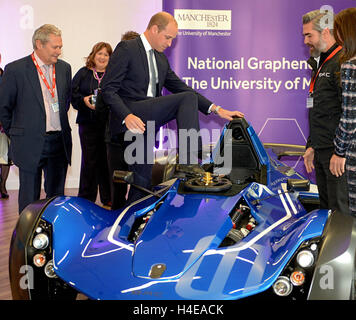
157,270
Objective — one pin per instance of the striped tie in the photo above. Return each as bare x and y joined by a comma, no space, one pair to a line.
153,78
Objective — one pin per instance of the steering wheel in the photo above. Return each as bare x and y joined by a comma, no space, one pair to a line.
216,184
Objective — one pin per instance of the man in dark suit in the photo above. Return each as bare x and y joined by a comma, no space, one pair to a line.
137,72
34,101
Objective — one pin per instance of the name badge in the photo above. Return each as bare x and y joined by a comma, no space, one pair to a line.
310,102
55,106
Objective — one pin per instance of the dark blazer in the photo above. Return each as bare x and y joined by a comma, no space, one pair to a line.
22,111
127,79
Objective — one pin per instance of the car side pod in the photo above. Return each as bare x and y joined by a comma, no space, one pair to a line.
334,275
19,271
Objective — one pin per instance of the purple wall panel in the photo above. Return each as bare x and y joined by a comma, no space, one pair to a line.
262,34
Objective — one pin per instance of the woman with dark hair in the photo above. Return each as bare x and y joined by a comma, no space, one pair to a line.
94,171
345,140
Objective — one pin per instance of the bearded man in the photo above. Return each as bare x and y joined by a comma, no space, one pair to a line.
324,106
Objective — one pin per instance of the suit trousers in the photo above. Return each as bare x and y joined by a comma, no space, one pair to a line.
333,191
54,164
180,106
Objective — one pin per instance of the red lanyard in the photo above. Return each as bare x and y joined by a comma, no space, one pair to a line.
51,90
96,76
312,83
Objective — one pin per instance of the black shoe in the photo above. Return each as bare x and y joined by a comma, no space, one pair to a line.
4,195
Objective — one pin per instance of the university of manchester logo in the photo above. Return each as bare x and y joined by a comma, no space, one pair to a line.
203,19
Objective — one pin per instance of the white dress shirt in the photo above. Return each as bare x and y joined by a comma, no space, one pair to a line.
47,99
147,49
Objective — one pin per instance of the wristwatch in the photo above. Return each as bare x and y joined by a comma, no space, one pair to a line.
217,109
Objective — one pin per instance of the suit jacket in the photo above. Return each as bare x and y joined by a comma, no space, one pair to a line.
22,111
127,79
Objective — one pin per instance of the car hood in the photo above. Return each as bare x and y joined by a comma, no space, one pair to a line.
176,228
91,251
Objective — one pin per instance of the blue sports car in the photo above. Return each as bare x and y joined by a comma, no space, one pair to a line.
243,225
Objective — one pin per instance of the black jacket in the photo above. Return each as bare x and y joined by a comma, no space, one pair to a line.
127,80
325,115
83,84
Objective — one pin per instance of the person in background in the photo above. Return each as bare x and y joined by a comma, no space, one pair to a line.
94,172
324,105
34,102
115,151
345,140
5,167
